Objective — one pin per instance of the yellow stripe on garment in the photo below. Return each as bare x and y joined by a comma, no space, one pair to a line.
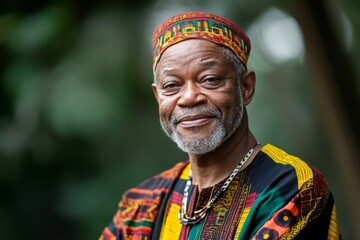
334,231
185,173
303,171
244,215
171,228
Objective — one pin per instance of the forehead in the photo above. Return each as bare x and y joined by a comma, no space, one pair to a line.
192,51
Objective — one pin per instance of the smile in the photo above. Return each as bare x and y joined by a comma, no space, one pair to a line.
194,121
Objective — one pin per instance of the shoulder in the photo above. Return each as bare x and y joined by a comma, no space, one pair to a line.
141,205
155,186
305,174
305,200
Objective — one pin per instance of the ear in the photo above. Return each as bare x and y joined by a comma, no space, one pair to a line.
155,91
247,84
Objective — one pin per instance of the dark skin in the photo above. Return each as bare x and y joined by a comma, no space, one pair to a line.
193,73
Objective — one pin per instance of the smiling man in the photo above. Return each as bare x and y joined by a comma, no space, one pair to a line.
231,187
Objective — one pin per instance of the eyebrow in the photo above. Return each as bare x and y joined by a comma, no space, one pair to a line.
208,62
205,63
169,69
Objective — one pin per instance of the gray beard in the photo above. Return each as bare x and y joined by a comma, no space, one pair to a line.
222,130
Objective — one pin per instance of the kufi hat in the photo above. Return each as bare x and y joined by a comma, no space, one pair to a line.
200,25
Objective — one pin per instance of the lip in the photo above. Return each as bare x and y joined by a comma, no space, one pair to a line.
194,120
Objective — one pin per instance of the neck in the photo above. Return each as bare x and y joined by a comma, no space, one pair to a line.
211,168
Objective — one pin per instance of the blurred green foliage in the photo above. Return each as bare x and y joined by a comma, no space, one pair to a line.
79,124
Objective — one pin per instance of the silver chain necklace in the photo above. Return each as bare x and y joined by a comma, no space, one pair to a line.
201,213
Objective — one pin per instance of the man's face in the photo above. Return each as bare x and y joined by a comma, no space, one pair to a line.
199,97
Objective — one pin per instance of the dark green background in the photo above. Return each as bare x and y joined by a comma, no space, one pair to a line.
79,123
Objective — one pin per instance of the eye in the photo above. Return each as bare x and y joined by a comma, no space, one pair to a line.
170,87
212,82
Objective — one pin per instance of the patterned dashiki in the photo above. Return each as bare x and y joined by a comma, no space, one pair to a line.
277,196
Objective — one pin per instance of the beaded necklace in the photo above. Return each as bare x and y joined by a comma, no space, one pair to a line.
201,213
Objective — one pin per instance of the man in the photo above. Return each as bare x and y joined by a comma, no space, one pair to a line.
231,187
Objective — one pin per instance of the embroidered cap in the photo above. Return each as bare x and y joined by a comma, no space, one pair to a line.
200,25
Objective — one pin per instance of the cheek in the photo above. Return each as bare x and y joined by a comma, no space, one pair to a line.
225,101
166,108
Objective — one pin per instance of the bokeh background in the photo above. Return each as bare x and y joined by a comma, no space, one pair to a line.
79,124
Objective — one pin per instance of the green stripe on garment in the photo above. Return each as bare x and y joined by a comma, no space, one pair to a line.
195,230
266,204
139,224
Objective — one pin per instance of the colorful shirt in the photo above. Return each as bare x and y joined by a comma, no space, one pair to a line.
277,196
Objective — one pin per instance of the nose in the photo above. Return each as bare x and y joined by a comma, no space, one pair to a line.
191,96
